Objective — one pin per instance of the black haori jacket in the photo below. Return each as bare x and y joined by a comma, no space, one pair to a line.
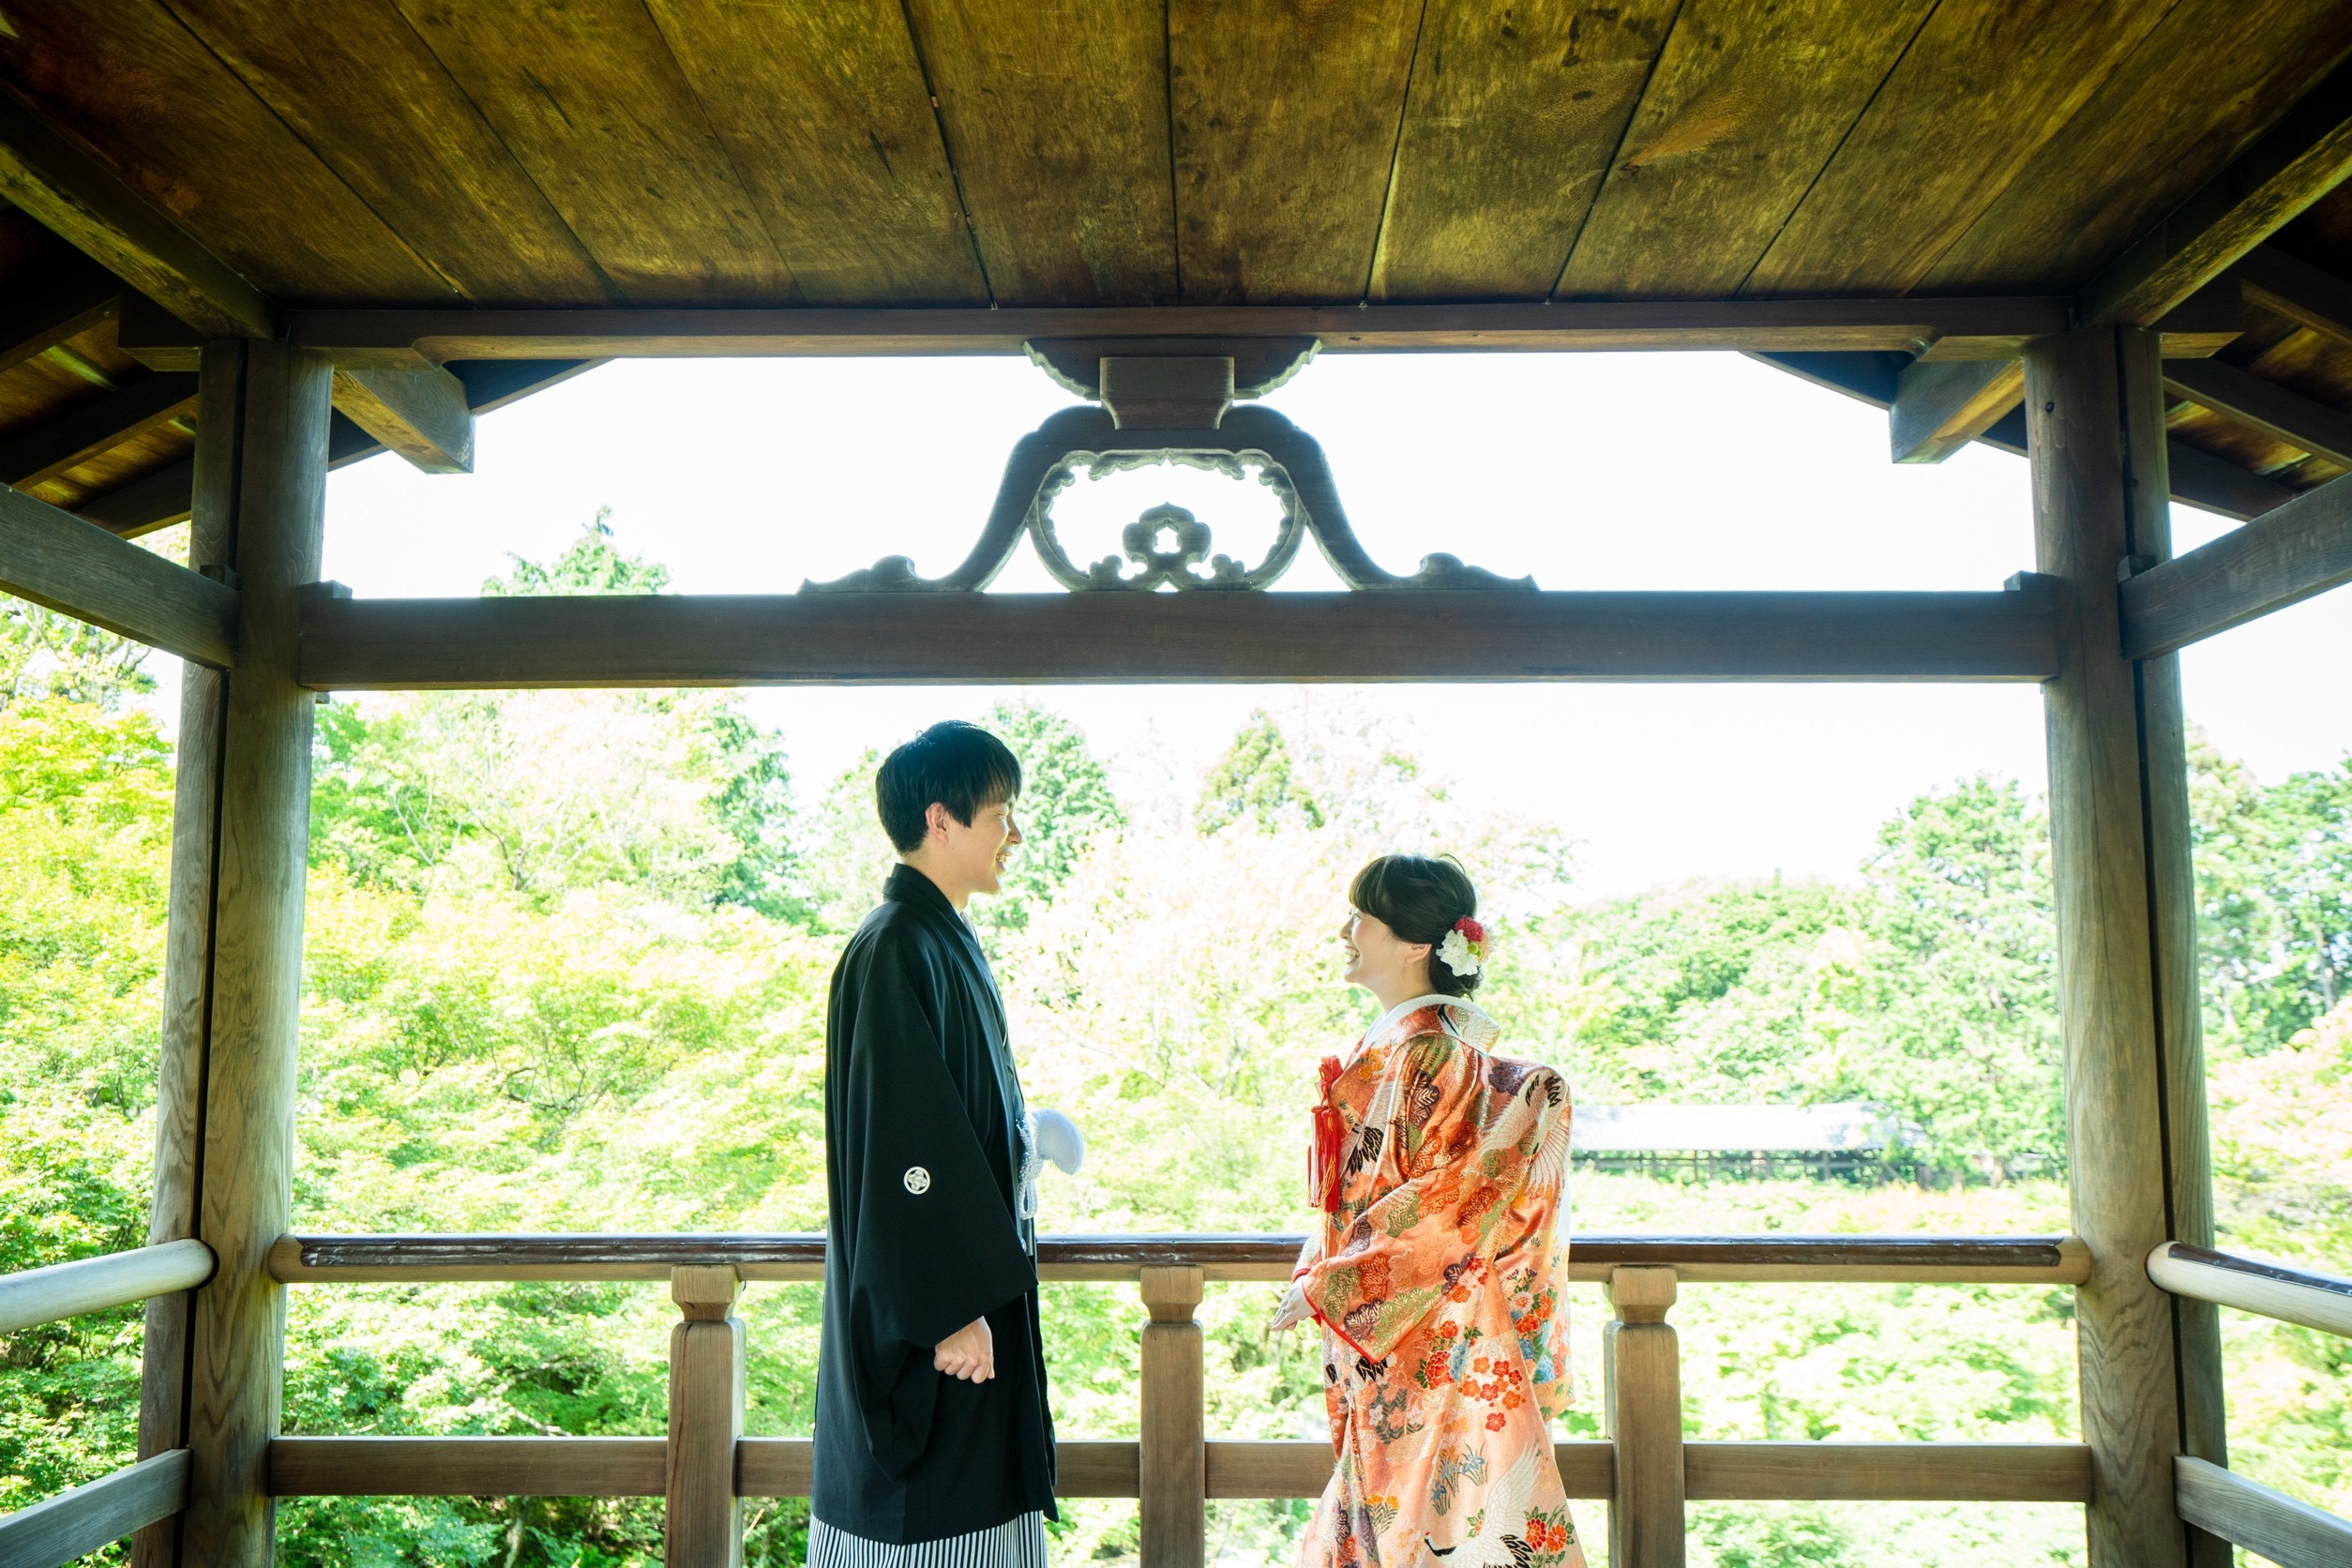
923,1157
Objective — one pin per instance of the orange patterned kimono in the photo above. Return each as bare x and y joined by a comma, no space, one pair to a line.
1440,1285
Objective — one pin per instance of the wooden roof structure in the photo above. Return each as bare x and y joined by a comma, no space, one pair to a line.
928,177
247,239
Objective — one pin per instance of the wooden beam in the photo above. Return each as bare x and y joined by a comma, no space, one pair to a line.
882,638
2286,556
2094,459
185,1038
95,1514
39,320
468,1467
1939,408
94,1283
57,561
2268,1523
2176,977
1959,328
2298,291
88,206
2300,422
1087,1467
2299,159
421,414
1301,1467
156,499
2217,485
73,439
273,500
1889,1471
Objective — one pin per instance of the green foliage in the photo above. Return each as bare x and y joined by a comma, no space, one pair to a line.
1254,781
592,564
1066,807
2274,887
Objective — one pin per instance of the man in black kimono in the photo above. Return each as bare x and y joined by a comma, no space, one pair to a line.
934,1444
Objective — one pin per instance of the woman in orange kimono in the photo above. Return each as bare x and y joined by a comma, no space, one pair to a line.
1436,1271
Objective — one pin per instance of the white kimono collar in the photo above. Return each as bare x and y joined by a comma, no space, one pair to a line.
1464,1017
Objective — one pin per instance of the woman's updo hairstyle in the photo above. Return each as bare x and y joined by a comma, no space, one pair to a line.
1419,897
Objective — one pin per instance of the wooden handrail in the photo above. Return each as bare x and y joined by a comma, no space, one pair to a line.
1236,1468
1979,1259
77,1523
93,1284
2278,1291
2290,1533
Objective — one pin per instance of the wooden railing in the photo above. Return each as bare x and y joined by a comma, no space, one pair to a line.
2260,1518
76,1523
705,1465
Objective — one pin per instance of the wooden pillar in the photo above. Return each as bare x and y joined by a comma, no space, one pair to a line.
1641,1369
1173,1455
2127,973
188,943
703,1525
259,501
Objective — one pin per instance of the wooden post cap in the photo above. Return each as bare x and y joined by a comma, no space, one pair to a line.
1172,1292
1641,1295
704,1292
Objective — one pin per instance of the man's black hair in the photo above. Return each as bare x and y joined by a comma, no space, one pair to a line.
959,765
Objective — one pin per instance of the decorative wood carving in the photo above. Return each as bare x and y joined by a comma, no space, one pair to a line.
1049,460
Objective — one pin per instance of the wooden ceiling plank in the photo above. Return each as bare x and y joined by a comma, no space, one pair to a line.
86,203
2146,139
1941,408
2298,291
52,448
362,90
823,106
174,123
422,414
1510,124
590,101
1986,328
1750,99
2217,485
1056,122
2298,421
2304,155
39,320
1985,83
1283,151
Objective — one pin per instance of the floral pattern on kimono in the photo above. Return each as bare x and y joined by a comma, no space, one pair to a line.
1439,1281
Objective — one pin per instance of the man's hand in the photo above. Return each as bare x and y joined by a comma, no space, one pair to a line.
1292,1312
968,1353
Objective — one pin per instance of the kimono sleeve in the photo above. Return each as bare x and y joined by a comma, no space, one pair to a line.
933,1245
1432,1235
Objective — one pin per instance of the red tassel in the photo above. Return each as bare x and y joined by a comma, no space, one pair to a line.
1323,1147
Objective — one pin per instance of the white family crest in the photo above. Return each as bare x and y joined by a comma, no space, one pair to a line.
918,1180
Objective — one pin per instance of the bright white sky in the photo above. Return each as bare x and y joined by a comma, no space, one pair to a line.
1588,470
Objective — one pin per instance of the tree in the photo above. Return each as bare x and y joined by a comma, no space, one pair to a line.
1066,807
1255,781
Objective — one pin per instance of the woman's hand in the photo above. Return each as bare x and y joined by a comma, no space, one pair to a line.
1292,1312
968,1353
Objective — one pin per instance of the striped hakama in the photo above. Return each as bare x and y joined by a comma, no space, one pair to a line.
1018,1543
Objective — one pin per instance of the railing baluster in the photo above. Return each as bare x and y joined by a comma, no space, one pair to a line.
1173,1454
1642,1373
703,1528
